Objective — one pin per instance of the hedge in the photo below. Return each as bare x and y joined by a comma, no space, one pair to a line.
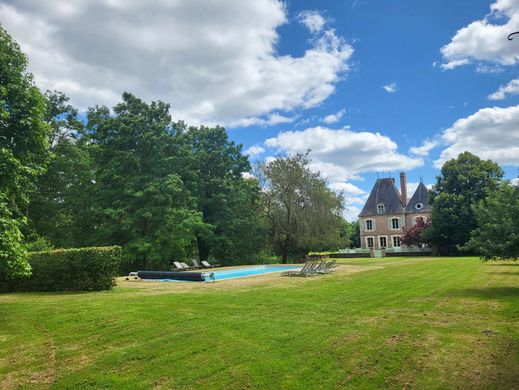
81,269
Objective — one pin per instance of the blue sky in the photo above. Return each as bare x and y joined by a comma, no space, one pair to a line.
372,87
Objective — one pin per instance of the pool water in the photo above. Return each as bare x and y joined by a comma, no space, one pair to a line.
240,272
250,271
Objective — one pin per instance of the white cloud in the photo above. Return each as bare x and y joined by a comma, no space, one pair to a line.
515,182
205,58
490,133
274,119
351,213
312,20
390,88
512,88
343,154
254,150
347,188
332,118
425,148
486,39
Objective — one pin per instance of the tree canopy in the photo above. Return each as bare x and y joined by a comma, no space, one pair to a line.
303,213
497,234
463,182
24,140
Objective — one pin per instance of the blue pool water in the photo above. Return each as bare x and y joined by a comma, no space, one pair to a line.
241,272
249,271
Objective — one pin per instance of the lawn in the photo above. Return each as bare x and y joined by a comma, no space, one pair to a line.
392,323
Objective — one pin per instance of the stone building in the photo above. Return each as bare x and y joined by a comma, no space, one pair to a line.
387,211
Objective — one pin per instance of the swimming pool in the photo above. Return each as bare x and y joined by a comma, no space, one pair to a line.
250,271
238,272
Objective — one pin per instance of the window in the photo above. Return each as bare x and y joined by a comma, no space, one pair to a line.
417,219
369,224
381,209
370,242
395,223
396,241
418,206
383,242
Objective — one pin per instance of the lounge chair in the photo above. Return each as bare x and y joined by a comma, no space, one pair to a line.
196,264
186,267
178,267
206,264
309,269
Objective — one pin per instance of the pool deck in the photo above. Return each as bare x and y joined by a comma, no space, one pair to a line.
273,279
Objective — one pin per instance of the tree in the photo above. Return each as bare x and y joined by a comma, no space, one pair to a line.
414,235
497,234
350,234
24,139
142,202
61,210
229,203
303,213
463,182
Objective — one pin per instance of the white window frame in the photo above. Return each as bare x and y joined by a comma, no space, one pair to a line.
367,245
383,206
393,241
379,243
390,223
373,225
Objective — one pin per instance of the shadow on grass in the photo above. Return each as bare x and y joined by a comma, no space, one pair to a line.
503,264
505,273
486,292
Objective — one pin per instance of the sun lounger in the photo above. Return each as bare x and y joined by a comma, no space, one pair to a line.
179,267
309,269
206,264
186,267
196,264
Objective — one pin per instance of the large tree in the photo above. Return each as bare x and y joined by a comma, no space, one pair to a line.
61,210
24,139
229,203
303,213
497,234
141,199
464,181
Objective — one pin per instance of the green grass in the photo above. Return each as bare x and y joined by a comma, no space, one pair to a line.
401,323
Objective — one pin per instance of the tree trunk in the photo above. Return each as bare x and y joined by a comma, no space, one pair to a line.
203,249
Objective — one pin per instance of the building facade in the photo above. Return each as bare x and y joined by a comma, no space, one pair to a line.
387,211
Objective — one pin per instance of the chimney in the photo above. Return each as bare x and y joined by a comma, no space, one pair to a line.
403,188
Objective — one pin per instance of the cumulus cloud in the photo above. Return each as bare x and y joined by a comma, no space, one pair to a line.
343,154
390,88
515,182
332,118
312,20
347,188
254,150
486,39
490,133
205,58
512,88
425,148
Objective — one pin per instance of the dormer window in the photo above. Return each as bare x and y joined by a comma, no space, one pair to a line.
381,209
418,206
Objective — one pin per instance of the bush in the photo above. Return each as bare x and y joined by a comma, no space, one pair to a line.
82,269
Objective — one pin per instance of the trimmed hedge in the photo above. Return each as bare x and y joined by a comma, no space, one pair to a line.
81,269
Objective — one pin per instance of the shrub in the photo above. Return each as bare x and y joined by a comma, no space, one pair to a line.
82,269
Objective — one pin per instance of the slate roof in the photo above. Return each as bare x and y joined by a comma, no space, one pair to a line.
421,195
384,192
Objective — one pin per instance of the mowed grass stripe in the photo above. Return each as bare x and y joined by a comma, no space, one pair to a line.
423,322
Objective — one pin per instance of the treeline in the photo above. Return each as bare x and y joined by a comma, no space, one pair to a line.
473,211
130,176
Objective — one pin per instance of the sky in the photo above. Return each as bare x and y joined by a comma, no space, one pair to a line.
371,87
